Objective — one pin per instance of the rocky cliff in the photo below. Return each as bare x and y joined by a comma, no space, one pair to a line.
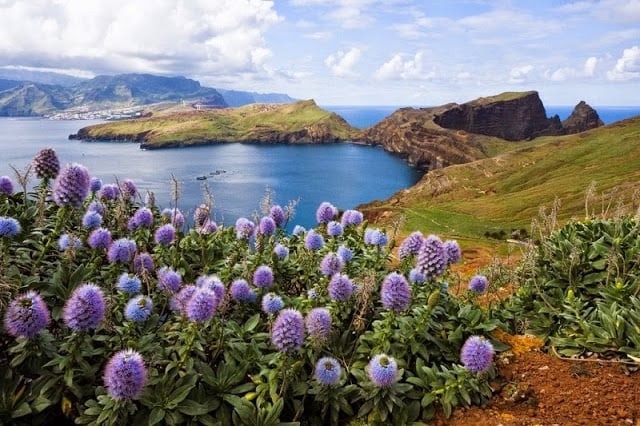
581,119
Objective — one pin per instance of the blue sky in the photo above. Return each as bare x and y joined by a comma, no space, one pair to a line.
343,52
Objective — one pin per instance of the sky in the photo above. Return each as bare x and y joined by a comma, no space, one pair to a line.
342,52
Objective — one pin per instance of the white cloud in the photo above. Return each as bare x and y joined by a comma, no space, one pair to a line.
619,11
561,74
342,63
214,37
628,65
590,66
319,35
519,75
397,68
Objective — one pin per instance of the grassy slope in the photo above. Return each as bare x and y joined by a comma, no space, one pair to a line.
507,191
230,125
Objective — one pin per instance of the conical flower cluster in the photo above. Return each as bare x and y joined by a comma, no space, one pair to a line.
287,333
46,164
432,258
71,186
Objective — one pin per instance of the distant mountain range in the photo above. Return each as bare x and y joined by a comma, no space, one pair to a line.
38,98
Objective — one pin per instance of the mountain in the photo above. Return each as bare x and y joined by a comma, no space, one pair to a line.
42,77
8,84
299,122
31,99
236,98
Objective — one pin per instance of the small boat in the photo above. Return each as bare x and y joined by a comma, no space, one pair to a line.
201,177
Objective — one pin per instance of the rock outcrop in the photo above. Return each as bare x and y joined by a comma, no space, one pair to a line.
581,119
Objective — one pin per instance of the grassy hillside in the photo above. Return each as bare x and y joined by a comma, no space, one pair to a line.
506,192
301,121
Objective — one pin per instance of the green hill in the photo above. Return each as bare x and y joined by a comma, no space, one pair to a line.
506,192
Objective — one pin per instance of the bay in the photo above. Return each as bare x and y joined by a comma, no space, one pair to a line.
238,174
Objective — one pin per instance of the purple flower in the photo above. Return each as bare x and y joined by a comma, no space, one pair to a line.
287,333
416,276
168,279
272,303
121,250
9,227
26,316
334,229
6,185
340,288
281,251
71,186
179,300
201,216
331,264
129,189
263,277
129,284
138,309
326,212
375,237
201,305
143,262
96,206
99,238
351,218
244,228
411,245
277,214
477,354
298,230
395,292
165,234
142,217
109,191
382,370
125,375
91,219
212,283
46,164
85,308
454,254
313,240
208,228
267,226
345,253
318,323
175,216
241,292
327,371
69,242
95,184
478,284
432,258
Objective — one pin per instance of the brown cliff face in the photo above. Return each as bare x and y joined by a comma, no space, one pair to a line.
581,119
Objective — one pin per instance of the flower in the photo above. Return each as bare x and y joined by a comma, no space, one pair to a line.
109,192
477,354
95,184
168,279
411,245
129,284
334,229
313,240
340,288
6,185
453,251
68,242
209,228
27,315
326,212
318,323
143,262
331,264
85,308
345,253
121,250
125,375
142,217
351,218
271,303
298,230
267,226
179,300
244,228
71,186
416,276
96,206
375,237
287,333
129,189
91,219
201,215
263,277
432,258
201,305
241,292
327,371
382,370
165,234
9,227
138,309
278,215
99,238
281,251
478,284
46,164
175,216
212,283
395,292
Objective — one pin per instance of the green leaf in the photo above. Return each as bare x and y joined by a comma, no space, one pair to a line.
251,323
156,416
22,410
192,408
